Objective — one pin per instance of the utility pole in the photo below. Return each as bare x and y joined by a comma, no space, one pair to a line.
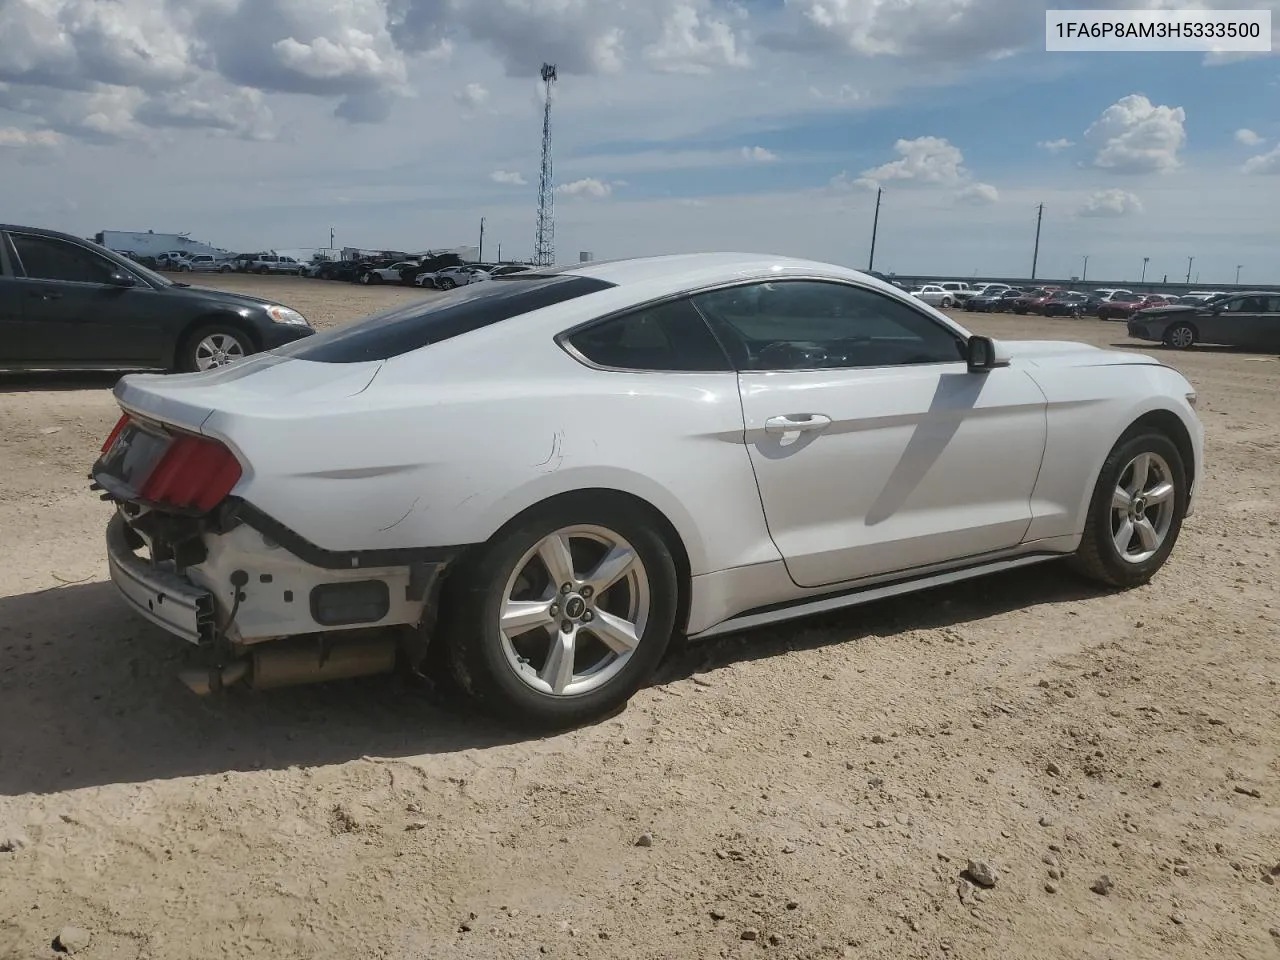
499,251
1035,255
1145,261
1190,260
331,238
1238,266
875,227
1084,274
480,257
544,245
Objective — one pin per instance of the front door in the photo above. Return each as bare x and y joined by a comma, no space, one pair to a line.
875,450
73,315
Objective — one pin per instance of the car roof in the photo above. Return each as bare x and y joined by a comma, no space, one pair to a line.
696,269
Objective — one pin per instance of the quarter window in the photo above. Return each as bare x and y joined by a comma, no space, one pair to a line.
809,324
671,337
45,258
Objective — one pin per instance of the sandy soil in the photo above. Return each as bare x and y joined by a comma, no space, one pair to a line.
810,791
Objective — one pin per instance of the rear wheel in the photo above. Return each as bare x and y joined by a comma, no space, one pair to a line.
446,283
1136,512
562,618
214,346
1181,336
947,303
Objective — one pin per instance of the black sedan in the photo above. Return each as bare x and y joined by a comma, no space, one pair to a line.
999,302
68,303
1250,320
1069,304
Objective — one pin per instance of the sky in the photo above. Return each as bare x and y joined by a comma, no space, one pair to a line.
679,125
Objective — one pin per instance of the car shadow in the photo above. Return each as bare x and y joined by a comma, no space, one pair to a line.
89,693
946,606
38,381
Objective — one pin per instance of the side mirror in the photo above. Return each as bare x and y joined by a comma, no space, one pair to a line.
983,354
119,279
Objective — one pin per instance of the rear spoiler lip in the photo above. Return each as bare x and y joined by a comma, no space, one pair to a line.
161,410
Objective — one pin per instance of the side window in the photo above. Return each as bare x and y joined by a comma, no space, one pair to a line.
670,337
810,324
45,258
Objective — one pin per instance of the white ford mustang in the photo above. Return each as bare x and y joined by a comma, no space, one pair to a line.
571,466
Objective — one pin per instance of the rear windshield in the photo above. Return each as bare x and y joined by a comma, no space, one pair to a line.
461,310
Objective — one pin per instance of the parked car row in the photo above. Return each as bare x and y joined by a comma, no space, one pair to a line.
1107,303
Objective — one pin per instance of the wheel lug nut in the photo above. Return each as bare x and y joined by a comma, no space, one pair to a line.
555,609
566,626
588,616
587,592
567,588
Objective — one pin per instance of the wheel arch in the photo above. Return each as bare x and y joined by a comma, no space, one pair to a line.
623,501
1171,425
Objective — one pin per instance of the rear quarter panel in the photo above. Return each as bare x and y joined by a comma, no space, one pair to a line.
449,443
1089,408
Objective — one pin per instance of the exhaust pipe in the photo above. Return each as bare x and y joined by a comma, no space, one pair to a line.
291,663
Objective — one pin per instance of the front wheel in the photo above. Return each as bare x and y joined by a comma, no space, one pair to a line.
1181,336
947,303
1136,512
213,346
561,619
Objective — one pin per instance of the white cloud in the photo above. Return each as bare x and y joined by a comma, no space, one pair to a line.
14,137
843,183
759,154
1268,162
978,194
508,177
588,188
1056,146
472,96
693,41
843,94
922,160
1133,135
1110,203
1247,137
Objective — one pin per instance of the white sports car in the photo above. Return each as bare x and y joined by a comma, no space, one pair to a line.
570,466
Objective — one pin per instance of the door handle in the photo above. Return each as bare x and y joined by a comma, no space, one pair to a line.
796,423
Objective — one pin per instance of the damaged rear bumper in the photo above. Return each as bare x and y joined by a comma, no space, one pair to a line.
246,579
159,595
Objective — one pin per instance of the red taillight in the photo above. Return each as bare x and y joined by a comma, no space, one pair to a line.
194,473
115,432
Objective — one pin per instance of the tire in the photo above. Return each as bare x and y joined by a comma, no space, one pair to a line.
947,303
1180,336
445,283
484,660
1099,556
224,269
227,343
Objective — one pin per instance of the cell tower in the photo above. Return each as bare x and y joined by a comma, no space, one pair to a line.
544,247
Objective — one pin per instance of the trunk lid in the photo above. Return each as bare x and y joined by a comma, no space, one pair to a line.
258,384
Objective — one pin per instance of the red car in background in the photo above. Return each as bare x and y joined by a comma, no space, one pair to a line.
1123,307
1033,301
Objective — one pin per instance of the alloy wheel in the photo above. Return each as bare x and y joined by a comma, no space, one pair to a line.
574,610
1181,336
1142,507
218,350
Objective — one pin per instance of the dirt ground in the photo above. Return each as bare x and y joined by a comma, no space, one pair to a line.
814,790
